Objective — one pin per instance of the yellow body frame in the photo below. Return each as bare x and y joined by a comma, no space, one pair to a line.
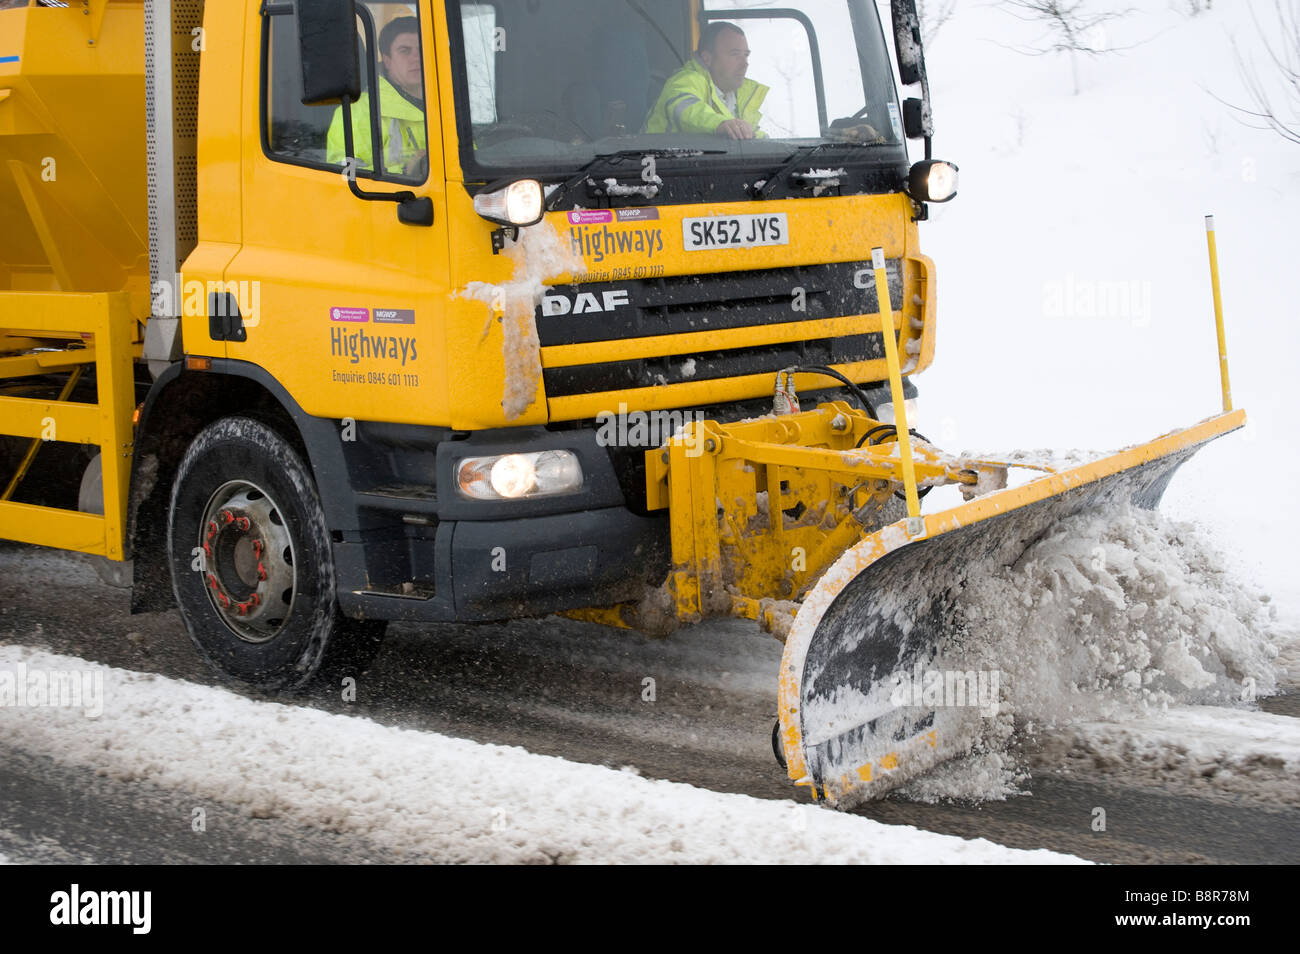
109,327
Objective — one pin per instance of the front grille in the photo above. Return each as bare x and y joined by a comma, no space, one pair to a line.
583,314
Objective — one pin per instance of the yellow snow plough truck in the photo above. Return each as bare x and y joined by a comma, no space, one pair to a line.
316,314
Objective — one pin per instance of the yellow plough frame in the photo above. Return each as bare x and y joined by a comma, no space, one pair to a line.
105,323
760,510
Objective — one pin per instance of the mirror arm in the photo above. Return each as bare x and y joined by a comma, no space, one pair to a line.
350,152
411,209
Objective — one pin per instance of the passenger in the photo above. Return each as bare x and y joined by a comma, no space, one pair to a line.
401,106
711,94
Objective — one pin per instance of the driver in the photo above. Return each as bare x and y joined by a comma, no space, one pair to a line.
401,106
710,94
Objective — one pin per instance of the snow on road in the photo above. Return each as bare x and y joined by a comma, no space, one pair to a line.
1192,747
418,796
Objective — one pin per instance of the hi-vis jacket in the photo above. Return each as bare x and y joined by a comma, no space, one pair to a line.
401,123
690,104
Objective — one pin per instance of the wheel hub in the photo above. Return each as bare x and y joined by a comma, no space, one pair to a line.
248,561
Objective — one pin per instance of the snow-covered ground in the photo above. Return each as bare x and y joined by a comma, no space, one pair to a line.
419,796
1068,201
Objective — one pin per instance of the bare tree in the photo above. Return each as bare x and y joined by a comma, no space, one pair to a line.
1275,97
1071,28
934,14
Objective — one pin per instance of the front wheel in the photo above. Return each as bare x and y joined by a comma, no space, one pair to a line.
251,563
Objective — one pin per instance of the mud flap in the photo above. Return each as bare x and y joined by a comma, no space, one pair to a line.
852,724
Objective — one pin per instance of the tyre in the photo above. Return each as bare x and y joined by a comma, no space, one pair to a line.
251,563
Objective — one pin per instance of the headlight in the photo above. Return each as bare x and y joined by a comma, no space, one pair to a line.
518,204
519,476
886,412
932,181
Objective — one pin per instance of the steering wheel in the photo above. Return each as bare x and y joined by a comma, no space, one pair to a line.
839,129
501,132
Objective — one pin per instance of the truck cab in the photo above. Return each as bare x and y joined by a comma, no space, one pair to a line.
470,265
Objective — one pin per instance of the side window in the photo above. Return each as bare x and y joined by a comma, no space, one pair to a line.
782,56
395,120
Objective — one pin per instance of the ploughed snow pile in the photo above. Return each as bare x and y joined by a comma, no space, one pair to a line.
417,796
1102,634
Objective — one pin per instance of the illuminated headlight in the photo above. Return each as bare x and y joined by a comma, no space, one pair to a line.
518,204
886,412
519,476
932,181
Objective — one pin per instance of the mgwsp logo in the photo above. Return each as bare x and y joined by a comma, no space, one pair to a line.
77,907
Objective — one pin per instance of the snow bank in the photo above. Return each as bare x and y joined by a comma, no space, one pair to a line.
417,796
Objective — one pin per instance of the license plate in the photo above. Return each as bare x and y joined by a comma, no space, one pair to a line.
735,231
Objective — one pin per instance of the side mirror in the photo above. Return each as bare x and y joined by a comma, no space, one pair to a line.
907,41
917,122
327,43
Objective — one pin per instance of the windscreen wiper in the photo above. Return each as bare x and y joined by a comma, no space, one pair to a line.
801,156
613,159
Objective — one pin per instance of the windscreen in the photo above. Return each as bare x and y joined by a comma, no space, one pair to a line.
547,86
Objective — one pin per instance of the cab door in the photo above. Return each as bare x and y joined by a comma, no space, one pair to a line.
340,300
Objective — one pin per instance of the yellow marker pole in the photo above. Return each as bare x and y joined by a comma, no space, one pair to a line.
1218,313
915,525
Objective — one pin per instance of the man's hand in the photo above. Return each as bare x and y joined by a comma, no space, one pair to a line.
417,163
843,131
736,129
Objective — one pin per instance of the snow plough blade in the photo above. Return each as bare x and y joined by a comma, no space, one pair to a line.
852,724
